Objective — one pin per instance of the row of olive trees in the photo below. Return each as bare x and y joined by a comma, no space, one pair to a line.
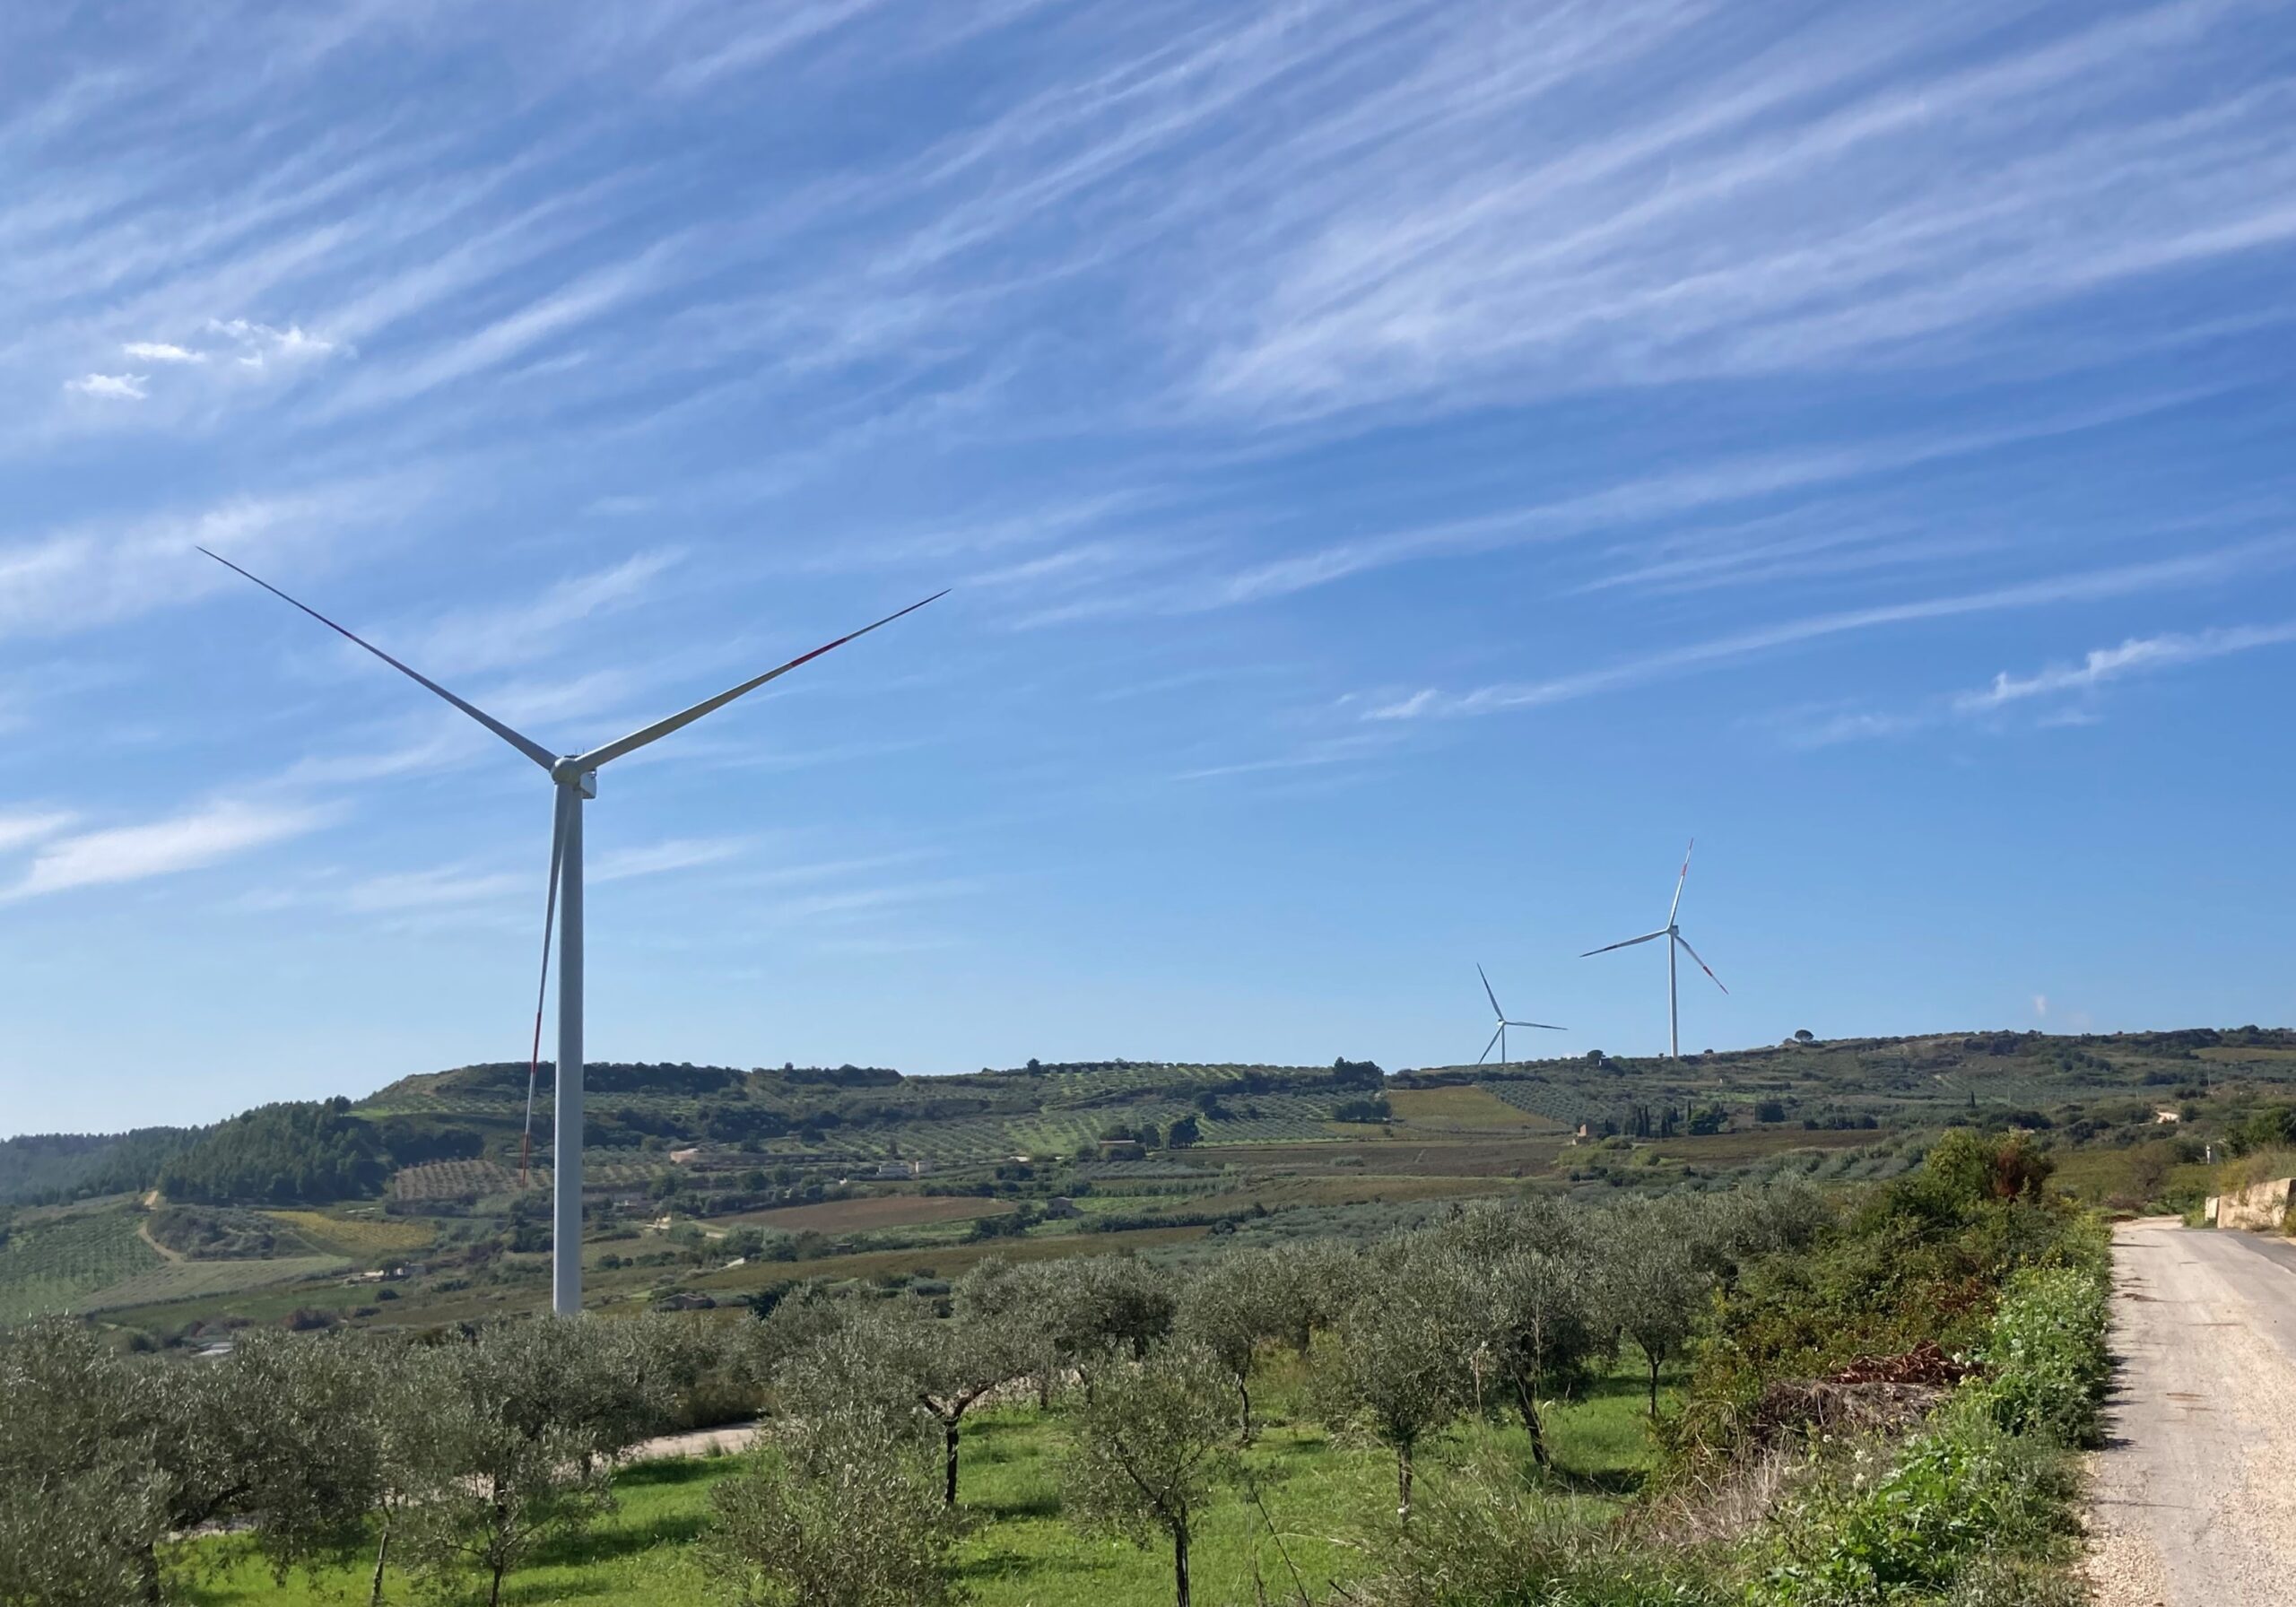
1498,1307
457,1459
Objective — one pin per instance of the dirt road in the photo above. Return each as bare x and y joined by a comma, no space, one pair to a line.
2194,1498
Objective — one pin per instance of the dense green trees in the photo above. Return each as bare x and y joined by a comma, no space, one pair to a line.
309,1152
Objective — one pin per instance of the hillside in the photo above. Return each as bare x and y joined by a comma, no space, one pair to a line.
712,1183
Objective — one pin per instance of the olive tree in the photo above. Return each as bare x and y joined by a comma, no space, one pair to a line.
1310,1282
1151,1442
103,1458
1229,1310
1537,1296
844,1511
1657,1279
83,1504
523,1423
1404,1358
1101,1307
902,1357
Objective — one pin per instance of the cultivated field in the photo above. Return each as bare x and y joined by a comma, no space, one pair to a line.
61,1263
181,1280
361,1238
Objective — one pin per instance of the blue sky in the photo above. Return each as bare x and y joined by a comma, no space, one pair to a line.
1403,467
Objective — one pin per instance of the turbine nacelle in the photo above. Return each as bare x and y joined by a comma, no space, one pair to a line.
571,771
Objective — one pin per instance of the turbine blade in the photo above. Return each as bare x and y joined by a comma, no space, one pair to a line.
1543,1026
1490,995
1628,943
1487,1050
526,746
1702,964
1677,904
542,989
661,728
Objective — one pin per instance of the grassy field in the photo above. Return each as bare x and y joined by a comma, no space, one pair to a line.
1463,1108
1325,1496
204,1279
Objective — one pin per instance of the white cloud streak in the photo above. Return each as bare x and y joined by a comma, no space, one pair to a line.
204,837
2126,580
114,387
103,572
2137,656
22,829
657,859
517,632
161,352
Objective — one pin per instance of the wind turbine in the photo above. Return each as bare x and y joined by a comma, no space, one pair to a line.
1673,933
575,777
1500,1037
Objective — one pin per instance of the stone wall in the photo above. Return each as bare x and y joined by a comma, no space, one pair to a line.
2260,1208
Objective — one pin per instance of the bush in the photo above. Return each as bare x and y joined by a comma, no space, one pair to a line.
847,1513
2046,1355
1963,1491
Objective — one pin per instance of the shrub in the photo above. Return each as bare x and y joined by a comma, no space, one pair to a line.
1963,1491
847,1513
2046,1355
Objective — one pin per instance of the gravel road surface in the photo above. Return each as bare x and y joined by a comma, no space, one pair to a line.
2194,1496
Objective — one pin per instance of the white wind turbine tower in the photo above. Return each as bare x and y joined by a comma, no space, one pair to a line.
1673,933
575,777
1500,1037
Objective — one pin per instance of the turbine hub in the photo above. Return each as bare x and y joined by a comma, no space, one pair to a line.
567,772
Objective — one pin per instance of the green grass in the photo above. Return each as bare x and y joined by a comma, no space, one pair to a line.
59,1263
1326,1495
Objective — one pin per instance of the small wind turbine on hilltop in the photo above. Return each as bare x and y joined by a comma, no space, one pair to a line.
1500,1037
1673,933
574,779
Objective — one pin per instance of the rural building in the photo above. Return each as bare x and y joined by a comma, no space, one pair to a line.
1060,1208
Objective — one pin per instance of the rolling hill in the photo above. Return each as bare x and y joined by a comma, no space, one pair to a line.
712,1182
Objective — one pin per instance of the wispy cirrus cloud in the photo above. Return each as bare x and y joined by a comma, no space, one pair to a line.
2091,586
441,887
2066,692
103,571
662,859
201,837
20,829
2138,655
114,387
513,633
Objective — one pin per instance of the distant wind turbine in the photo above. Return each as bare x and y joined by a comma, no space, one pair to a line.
576,780
1675,933
1500,1037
